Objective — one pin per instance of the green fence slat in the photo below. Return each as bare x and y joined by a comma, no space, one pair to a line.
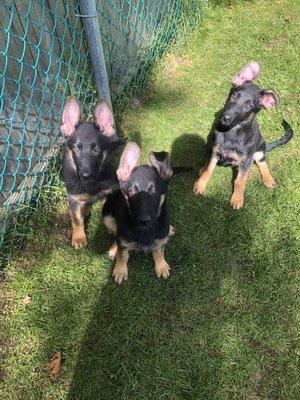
43,59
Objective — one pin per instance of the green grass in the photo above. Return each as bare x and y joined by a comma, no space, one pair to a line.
226,323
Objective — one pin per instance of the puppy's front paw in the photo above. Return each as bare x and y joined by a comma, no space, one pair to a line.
79,241
269,182
171,231
237,202
199,186
162,269
120,274
112,251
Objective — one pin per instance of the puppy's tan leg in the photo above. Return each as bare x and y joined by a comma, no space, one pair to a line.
110,223
237,198
205,175
160,264
77,217
266,174
120,271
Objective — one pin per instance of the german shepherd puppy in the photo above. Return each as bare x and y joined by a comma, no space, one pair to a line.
86,175
236,140
137,214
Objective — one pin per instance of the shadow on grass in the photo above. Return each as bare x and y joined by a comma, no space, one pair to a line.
186,337
220,322
150,338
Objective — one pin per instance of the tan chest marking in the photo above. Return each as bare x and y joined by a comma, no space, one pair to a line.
85,197
132,245
229,154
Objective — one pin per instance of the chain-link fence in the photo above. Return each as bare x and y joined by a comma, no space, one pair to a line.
43,58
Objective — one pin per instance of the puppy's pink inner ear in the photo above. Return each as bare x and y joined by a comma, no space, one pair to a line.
249,73
130,159
268,100
70,117
104,118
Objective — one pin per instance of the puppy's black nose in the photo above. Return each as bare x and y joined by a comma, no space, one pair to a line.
226,118
85,174
144,220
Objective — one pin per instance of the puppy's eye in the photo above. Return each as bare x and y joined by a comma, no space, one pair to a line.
96,148
133,190
75,148
248,106
151,189
235,96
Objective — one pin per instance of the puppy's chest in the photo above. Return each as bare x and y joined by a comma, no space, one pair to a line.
90,193
228,151
146,249
231,150
229,156
86,197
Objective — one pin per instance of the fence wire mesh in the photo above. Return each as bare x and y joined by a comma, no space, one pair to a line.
43,58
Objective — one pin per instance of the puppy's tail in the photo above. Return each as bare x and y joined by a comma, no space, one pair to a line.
286,138
181,170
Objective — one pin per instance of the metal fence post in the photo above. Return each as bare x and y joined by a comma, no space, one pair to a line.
89,15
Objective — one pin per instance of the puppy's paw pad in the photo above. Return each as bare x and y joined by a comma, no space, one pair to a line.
162,270
236,202
120,274
79,241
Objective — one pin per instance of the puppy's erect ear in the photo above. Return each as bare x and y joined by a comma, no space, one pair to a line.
103,117
129,159
268,98
161,162
249,73
70,117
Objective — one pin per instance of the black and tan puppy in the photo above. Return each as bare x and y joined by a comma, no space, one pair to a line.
86,176
138,214
236,140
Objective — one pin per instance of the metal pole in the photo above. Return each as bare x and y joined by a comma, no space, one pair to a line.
89,15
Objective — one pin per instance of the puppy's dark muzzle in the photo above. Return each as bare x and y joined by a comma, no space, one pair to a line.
144,220
226,119
86,176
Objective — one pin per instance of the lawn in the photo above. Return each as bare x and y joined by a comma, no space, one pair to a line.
225,325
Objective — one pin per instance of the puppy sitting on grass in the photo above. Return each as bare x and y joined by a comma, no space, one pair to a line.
137,214
236,140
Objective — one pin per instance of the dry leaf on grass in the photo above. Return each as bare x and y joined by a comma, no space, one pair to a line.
26,300
288,18
231,6
217,299
136,103
54,365
2,375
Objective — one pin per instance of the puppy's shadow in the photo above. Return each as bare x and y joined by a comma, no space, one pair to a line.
188,150
191,150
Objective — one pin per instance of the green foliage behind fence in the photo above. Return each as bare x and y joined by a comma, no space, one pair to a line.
43,58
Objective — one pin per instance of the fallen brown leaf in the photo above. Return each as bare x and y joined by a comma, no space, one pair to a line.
136,103
217,299
288,18
54,365
231,6
2,375
275,42
26,300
